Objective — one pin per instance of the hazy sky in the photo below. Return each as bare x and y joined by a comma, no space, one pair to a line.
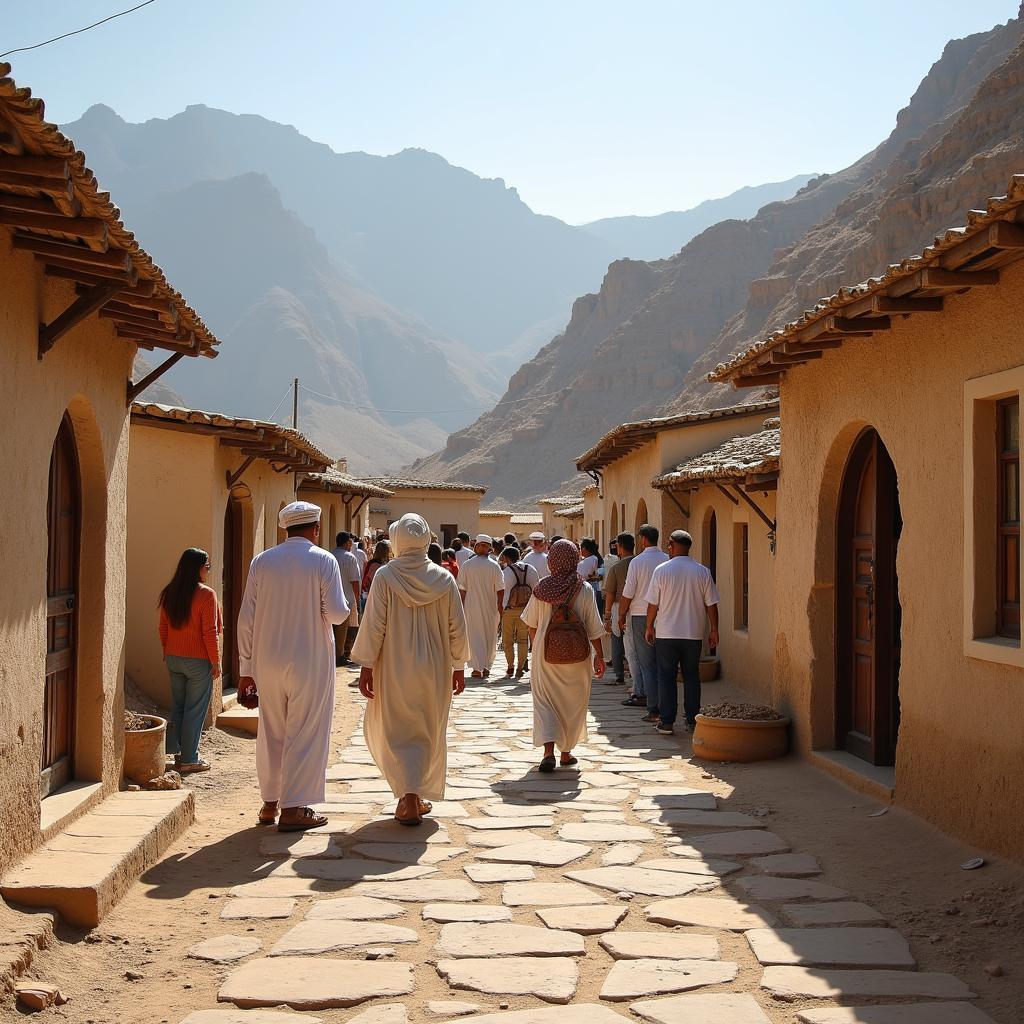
589,108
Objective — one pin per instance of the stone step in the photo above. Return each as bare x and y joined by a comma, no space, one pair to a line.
242,719
84,870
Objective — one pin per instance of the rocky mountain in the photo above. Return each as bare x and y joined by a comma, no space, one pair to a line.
655,238
463,253
642,344
284,309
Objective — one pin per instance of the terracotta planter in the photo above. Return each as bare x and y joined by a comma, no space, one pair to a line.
737,739
144,757
710,667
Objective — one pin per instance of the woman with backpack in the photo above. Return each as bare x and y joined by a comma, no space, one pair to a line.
566,632
520,579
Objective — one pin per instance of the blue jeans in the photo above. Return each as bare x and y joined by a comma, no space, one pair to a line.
618,658
670,654
645,671
191,689
599,598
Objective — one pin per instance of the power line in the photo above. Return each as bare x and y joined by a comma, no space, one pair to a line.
270,418
421,412
78,31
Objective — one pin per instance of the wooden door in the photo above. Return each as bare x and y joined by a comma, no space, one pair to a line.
233,587
867,605
63,516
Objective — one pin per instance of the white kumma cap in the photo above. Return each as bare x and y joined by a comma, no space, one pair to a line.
298,513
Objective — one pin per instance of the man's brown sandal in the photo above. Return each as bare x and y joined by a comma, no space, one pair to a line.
404,818
307,819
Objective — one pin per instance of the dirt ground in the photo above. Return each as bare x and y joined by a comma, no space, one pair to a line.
132,969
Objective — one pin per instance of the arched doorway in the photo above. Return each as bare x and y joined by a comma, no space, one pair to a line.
329,541
237,556
641,515
614,532
64,529
711,543
868,612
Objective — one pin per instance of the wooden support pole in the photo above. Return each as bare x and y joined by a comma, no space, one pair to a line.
735,501
675,501
233,478
136,389
770,523
82,307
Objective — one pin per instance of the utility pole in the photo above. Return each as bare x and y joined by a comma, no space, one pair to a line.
295,404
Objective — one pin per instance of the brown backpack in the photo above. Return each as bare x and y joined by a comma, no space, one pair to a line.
565,640
519,596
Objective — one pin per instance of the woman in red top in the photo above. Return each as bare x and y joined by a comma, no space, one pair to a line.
381,556
190,628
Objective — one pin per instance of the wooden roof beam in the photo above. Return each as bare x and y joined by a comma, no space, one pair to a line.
997,236
84,306
138,298
761,482
142,319
85,277
820,344
937,277
864,325
38,204
42,166
875,304
756,380
59,189
111,259
780,358
92,230
137,387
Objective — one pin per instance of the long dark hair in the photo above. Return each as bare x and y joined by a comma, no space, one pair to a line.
589,545
176,597
434,553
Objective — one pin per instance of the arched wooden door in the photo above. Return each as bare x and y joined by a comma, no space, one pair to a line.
641,515
233,585
867,605
712,544
64,527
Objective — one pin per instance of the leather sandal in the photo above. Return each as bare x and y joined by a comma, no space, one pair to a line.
568,763
404,818
548,764
307,819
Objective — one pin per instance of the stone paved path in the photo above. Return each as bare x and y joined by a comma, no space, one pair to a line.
624,887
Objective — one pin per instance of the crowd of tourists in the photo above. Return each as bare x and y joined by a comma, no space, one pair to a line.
414,615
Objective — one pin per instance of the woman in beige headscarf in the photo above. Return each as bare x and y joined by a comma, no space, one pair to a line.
412,648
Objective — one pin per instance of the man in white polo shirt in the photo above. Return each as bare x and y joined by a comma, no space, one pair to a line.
681,596
633,610
537,556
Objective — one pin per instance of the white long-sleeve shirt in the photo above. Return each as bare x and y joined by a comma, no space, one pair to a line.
293,597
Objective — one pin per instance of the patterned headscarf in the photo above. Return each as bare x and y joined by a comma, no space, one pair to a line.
564,583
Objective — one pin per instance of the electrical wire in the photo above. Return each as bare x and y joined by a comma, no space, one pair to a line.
421,412
78,31
270,418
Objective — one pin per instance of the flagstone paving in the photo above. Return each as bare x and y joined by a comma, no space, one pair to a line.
634,878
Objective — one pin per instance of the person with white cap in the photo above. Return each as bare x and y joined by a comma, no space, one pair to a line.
293,599
412,648
483,595
537,557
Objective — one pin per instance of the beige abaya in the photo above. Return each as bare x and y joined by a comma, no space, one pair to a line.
413,636
561,693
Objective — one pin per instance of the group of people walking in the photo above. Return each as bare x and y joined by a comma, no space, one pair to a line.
423,617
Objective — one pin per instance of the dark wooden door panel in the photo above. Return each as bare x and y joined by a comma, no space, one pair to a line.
63,516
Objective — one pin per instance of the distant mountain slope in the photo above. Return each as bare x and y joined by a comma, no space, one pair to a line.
655,238
463,253
283,309
609,369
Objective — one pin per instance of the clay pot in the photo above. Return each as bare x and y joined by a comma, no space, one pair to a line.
738,739
144,757
710,667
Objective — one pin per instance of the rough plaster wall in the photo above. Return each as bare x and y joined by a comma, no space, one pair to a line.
86,371
960,757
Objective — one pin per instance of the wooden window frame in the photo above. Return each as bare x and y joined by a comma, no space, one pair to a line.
1007,531
741,576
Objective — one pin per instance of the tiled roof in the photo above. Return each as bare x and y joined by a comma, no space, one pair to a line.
54,205
958,259
496,512
743,457
562,499
270,441
527,519
628,436
397,483
570,512
341,483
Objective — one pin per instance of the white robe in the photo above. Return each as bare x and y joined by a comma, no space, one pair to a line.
539,560
561,693
293,597
481,580
413,648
